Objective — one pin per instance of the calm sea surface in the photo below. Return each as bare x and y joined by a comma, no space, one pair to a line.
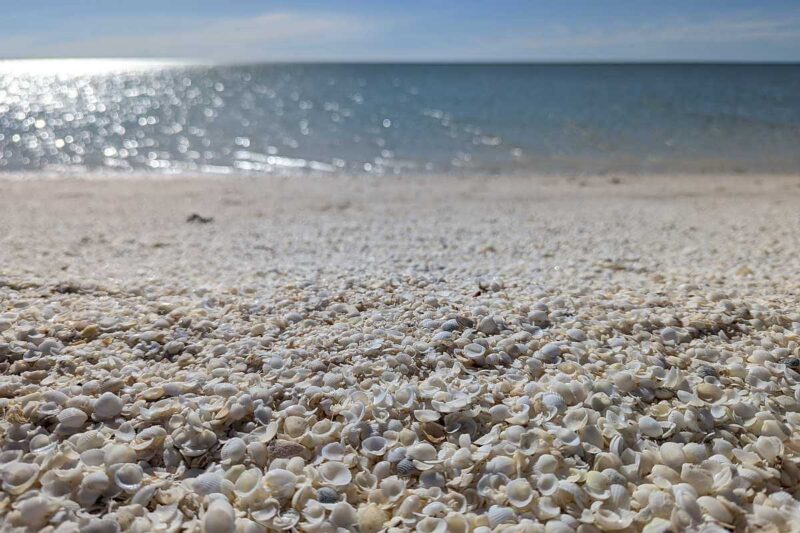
122,117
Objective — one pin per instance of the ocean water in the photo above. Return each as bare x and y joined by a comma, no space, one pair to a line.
116,118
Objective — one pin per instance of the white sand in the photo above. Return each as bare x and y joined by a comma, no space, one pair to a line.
344,285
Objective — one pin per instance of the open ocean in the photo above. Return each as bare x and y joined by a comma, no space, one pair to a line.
99,116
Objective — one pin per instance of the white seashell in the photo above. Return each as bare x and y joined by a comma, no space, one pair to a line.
769,448
500,515
620,498
547,484
608,520
474,352
219,517
119,453
286,520
18,477
519,493
650,427
266,511
343,515
128,477
233,452
374,446
108,405
335,473
334,451
207,483
716,509
72,418
596,485
41,444
427,415
431,524
95,482
281,481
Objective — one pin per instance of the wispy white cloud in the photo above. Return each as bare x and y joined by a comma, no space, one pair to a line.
572,41
272,36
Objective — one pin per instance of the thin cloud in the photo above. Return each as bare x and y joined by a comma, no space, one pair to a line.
722,31
275,36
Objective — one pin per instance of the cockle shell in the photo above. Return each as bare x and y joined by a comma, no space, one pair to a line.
335,473
500,515
72,418
219,517
519,493
108,405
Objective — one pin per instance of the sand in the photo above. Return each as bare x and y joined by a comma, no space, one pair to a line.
489,297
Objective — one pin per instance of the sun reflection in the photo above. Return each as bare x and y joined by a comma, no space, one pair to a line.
83,67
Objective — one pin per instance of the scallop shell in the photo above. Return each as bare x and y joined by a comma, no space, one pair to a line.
500,515
233,451
281,481
396,454
207,483
519,493
335,473
72,418
219,517
343,515
108,405
128,477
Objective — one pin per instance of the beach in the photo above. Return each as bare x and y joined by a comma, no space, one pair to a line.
614,352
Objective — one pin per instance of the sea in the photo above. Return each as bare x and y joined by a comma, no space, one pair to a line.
125,117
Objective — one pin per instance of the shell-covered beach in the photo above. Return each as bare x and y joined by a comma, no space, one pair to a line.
424,354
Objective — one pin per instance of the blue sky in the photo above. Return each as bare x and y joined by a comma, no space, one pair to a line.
432,30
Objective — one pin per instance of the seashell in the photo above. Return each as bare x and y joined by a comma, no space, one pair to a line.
335,473
108,405
41,444
36,511
207,483
715,509
396,454
266,511
327,495
427,415
248,484
17,477
371,518
286,521
519,493
219,517
619,498
650,427
672,455
474,352
431,524
550,403
285,449
281,481
119,453
374,446
233,451
596,485
613,520
72,418
500,515
769,448
406,468
128,477
343,515
547,484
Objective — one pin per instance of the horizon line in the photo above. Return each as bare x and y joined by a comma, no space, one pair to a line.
215,62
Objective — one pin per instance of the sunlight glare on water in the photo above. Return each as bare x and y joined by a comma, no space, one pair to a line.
114,116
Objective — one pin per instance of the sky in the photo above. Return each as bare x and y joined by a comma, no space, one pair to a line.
404,30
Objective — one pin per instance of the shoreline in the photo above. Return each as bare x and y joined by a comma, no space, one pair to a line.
378,353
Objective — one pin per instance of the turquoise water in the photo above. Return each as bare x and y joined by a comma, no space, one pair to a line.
61,116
